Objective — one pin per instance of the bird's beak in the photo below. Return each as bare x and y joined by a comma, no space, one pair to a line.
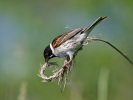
46,60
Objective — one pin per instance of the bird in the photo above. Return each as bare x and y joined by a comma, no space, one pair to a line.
68,44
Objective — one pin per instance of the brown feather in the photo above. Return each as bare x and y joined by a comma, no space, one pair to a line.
66,36
63,37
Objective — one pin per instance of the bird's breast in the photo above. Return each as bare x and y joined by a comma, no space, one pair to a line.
71,45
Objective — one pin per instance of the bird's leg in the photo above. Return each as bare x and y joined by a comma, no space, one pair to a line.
67,62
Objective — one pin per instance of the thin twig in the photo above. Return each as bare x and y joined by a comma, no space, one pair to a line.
52,77
89,39
64,72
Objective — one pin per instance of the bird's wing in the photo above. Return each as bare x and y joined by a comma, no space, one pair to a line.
66,36
63,37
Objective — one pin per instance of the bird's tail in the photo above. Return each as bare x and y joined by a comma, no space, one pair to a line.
96,22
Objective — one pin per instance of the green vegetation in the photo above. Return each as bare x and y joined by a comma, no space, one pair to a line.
100,72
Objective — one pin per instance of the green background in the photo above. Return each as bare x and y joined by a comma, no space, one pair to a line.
100,73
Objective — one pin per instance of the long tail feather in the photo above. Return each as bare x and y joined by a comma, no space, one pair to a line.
96,22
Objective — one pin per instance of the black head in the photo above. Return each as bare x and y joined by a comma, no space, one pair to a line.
48,53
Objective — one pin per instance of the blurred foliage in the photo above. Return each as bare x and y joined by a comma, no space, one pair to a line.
26,27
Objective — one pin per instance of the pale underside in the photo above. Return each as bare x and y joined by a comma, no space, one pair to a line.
69,47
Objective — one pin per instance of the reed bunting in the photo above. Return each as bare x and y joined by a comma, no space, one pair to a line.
68,44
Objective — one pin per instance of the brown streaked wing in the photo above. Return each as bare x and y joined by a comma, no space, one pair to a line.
63,37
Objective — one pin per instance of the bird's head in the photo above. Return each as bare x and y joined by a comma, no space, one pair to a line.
48,54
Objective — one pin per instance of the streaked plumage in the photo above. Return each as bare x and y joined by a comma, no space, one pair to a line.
66,45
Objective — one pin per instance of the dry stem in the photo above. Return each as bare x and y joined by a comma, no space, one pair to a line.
64,71
89,39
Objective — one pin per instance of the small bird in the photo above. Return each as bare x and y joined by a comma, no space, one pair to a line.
68,44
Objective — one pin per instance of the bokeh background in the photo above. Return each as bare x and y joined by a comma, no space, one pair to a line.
100,73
